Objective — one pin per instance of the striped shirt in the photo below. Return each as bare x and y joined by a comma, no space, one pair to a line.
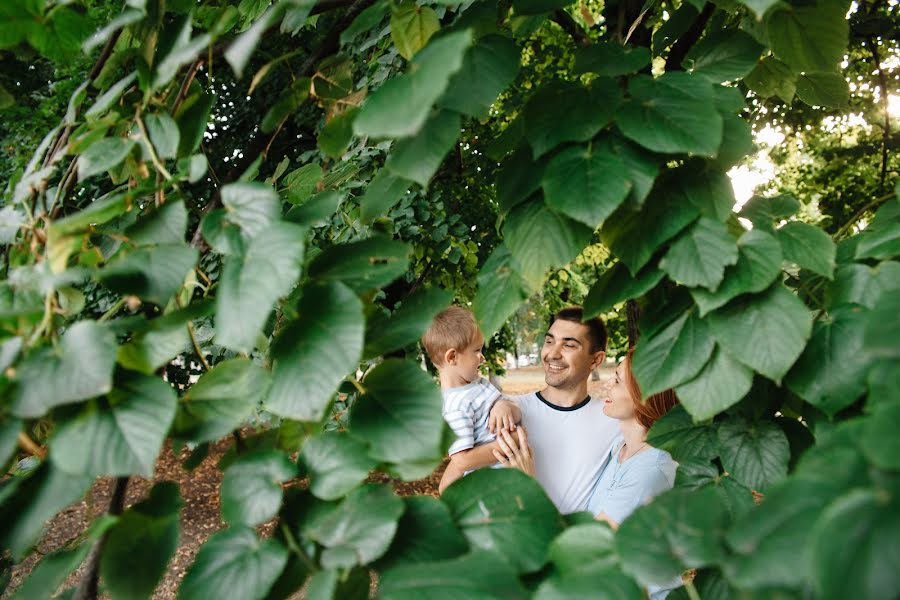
466,410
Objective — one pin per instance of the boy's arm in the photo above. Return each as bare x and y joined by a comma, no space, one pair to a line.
474,458
504,415
451,474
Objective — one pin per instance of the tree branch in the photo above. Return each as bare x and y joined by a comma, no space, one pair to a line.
686,42
570,26
886,134
88,587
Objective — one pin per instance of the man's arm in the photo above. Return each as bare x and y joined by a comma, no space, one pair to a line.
474,458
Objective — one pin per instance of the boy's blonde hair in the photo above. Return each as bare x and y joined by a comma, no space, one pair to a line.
453,327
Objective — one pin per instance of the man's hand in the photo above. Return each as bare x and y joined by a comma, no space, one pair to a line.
515,453
504,415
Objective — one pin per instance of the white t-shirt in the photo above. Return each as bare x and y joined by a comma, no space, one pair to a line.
570,445
466,410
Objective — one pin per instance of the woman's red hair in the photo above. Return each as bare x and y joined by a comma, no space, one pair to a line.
647,410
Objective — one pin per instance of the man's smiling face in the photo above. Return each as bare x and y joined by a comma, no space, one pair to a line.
567,356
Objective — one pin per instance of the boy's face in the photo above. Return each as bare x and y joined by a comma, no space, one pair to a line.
467,360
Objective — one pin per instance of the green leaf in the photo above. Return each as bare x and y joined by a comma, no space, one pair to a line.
153,273
561,240
108,98
720,384
506,511
737,142
756,454
362,265
234,564
426,532
771,77
823,89
165,225
584,548
81,367
336,464
737,498
830,374
611,59
407,323
879,442
335,583
488,68
760,7
673,113
517,179
672,355
881,239
146,534
400,107
50,573
853,546
317,211
809,38
396,416
679,529
251,284
288,102
163,134
241,49
184,50
487,576
382,193
102,156
763,211
724,55
412,26
586,183
335,135
883,328
766,332
28,504
676,433
359,529
602,584
329,332
302,183
699,256
223,398
536,7
251,206
251,487
569,112
9,438
100,211
500,291
617,285
221,234
759,263
365,21
418,158
62,34
192,119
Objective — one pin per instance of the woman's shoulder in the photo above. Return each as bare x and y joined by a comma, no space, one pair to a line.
654,466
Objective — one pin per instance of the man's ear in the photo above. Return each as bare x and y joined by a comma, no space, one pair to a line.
599,357
450,356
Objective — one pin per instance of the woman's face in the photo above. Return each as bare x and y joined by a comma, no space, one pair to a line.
618,403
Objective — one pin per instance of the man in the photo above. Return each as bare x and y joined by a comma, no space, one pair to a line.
570,436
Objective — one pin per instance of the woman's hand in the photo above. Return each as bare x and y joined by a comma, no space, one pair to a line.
515,453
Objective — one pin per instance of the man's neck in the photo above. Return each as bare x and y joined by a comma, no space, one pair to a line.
565,397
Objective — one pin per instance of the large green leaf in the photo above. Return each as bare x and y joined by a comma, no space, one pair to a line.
696,475
755,453
854,546
699,256
153,273
241,49
251,206
80,367
335,135
192,119
382,193
336,463
642,168
223,398
9,438
165,225
50,573
721,383
584,548
758,264
478,575
518,178
426,532
569,112
679,529
673,113
121,435
505,511
291,98
882,329
617,285
809,38
357,530
407,323
823,89
234,564
611,59
737,142
676,433
27,504
182,50
250,284
488,68
601,584
103,155
251,487
881,239
831,372
766,331
672,355
561,240
300,184
362,265
418,158
162,340
146,534
412,26
724,55
313,354
586,183
164,134
500,291
762,211
396,416
709,190
879,442
771,77
400,107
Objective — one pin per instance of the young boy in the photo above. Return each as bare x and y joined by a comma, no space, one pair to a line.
454,343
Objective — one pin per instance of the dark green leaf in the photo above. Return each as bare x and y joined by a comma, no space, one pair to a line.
382,193
336,464
329,332
50,573
617,285
611,59
823,89
881,239
879,440
500,291
362,265
251,206
108,98
288,102
165,225
809,38
641,165
365,21
859,284
359,529
153,273
418,158
241,49
721,383
517,179
676,433
220,233
763,211
771,77
736,497
488,68
407,323
699,256
412,26
184,49
150,350
164,134
536,7
316,211
192,119
724,55
756,454
102,156
506,511
336,583
426,532
584,548
883,328
9,438
335,136
737,142
251,487
672,355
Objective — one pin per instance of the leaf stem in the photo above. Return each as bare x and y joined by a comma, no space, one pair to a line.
296,549
112,310
691,590
161,168
30,446
197,351
874,203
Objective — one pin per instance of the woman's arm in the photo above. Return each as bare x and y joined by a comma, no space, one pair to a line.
514,451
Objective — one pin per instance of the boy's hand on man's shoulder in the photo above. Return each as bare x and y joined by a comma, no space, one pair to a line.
504,415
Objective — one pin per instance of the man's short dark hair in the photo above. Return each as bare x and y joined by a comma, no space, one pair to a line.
596,328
